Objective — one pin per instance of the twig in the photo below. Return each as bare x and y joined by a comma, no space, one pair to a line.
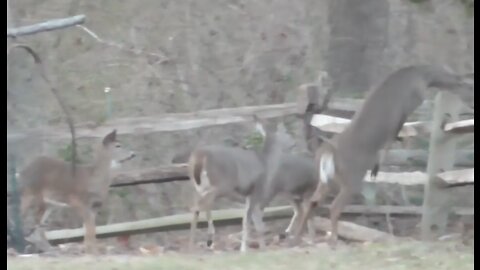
121,46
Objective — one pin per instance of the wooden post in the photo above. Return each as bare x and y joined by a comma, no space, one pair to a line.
436,204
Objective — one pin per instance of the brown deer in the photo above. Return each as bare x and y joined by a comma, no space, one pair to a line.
220,171
295,178
46,180
346,158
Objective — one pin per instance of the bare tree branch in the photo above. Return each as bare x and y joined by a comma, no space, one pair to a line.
50,25
121,46
54,90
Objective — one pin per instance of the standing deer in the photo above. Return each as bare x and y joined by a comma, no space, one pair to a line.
295,178
346,158
46,180
220,171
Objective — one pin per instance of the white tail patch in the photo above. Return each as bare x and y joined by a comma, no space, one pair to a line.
260,129
114,164
205,185
327,167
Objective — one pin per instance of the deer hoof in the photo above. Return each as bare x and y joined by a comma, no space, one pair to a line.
210,243
332,242
282,236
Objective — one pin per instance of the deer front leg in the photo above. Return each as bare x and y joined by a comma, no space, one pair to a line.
88,216
257,219
90,240
245,225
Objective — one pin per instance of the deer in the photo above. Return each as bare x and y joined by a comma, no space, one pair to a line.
48,182
241,174
345,158
295,178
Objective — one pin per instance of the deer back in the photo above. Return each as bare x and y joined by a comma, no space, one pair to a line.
228,169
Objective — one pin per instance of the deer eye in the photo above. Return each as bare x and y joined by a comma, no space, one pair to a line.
117,146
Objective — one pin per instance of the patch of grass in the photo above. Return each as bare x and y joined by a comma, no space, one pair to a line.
254,141
469,7
66,153
419,1
394,256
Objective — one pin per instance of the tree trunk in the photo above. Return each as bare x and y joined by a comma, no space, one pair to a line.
358,37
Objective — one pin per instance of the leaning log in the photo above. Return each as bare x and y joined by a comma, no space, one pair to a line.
161,174
168,223
352,231
234,216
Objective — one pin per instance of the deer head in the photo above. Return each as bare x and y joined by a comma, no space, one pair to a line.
115,150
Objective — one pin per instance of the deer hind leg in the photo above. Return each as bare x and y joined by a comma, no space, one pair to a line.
297,212
193,224
25,204
203,202
336,209
211,228
316,200
310,226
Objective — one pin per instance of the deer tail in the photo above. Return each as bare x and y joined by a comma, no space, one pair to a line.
197,163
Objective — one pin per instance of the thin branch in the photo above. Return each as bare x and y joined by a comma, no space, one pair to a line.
121,46
50,25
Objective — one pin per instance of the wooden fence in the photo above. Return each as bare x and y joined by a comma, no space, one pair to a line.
175,122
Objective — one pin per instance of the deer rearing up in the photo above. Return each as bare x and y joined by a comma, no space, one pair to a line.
46,180
346,158
219,171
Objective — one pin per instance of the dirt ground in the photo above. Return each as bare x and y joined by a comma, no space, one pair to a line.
401,254
227,238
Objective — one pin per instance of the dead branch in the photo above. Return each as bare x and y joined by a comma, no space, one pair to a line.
121,46
62,103
50,25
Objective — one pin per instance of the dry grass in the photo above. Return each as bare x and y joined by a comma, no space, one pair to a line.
395,256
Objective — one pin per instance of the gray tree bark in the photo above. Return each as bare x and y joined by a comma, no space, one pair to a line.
358,37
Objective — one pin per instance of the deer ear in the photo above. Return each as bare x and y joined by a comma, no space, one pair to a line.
111,137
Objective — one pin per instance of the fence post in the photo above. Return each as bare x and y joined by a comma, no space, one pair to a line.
17,237
436,202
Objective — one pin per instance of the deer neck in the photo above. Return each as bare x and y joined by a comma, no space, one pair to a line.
270,150
269,156
102,164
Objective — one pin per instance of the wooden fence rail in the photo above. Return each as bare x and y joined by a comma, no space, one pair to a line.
184,121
